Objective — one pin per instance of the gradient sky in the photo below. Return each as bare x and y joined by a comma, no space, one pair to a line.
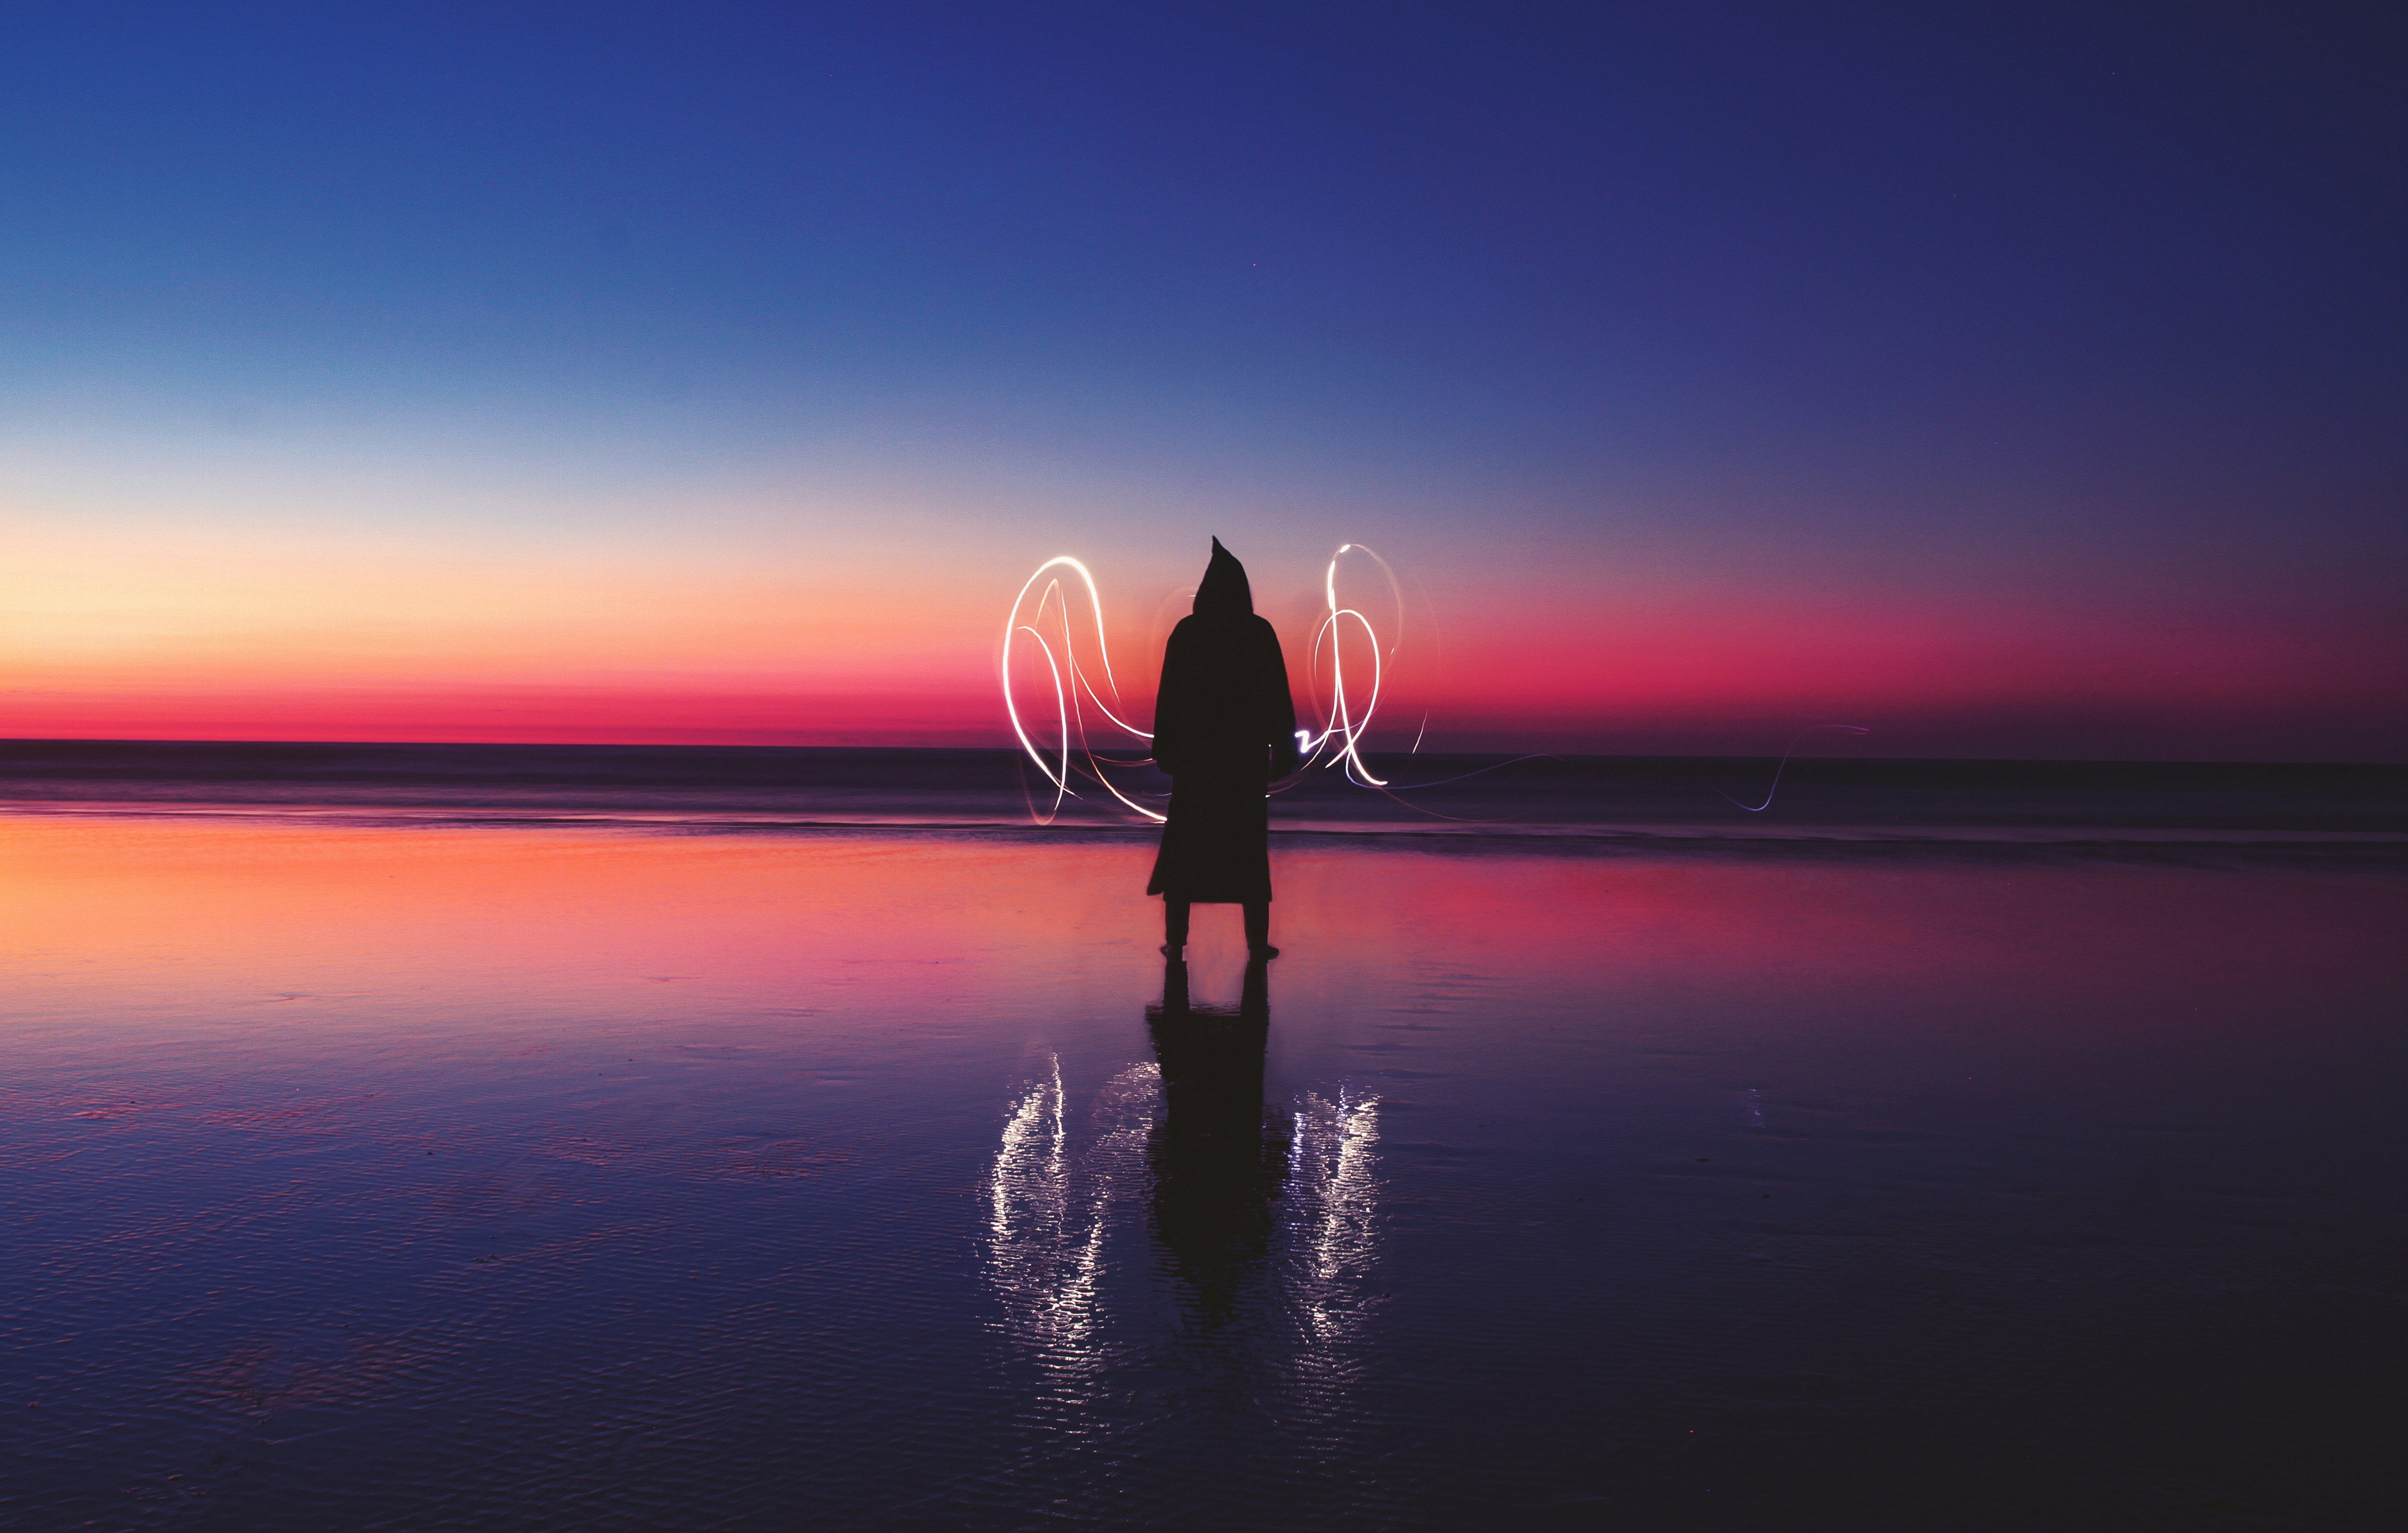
2018,381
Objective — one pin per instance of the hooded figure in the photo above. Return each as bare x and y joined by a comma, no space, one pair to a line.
1224,727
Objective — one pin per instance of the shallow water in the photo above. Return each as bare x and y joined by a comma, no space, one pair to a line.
2346,813
557,1178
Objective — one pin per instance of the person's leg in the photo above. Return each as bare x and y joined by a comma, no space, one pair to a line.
1175,924
1259,928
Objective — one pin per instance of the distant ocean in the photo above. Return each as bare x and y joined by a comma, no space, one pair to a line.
2351,811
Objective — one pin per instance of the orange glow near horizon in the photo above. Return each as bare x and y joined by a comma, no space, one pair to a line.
123,639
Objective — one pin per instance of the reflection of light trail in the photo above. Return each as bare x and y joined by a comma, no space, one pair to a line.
1330,1167
1063,1198
1050,1211
1333,1246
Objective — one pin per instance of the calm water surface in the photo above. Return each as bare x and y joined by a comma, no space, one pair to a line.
512,1179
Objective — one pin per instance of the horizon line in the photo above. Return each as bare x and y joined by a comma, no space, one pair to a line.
1012,750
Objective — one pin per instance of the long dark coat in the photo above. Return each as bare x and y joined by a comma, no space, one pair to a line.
1224,727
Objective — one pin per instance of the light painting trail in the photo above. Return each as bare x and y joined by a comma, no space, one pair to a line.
1775,786
1345,717
1342,724
1069,712
1047,621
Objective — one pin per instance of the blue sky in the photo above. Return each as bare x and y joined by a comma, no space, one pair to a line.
2087,304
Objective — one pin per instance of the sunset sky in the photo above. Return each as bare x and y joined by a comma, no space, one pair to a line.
2017,380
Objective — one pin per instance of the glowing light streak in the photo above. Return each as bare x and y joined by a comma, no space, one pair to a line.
1071,693
1337,743
1061,781
1341,721
1342,724
1759,808
1094,604
1340,736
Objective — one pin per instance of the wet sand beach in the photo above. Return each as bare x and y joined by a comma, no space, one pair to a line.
520,1178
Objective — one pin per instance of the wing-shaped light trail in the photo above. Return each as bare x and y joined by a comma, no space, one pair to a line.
1042,619
1074,688
1343,725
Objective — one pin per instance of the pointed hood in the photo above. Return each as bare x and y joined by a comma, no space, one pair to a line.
1224,592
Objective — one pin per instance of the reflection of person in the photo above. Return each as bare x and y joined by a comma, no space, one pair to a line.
1223,726
1215,1169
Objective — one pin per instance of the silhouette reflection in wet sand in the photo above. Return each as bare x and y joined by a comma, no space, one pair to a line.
1223,728
1263,1217
1216,1163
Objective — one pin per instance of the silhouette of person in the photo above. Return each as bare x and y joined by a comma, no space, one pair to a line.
1224,727
1216,1168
